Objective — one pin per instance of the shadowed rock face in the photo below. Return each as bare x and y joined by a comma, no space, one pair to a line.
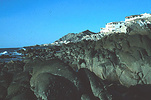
95,88
51,87
55,67
14,83
53,75
55,80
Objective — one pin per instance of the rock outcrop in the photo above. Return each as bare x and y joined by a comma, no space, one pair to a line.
115,67
139,26
76,37
117,57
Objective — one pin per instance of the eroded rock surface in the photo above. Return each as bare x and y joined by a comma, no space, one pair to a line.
117,57
116,67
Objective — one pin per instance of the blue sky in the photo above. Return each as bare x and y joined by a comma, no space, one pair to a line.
31,22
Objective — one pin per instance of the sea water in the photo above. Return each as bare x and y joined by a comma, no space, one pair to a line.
12,53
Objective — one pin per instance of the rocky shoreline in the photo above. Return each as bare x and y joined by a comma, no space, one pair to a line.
116,67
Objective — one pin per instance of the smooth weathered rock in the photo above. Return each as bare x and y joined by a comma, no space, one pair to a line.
20,91
55,67
117,57
53,70
116,67
51,87
92,83
77,37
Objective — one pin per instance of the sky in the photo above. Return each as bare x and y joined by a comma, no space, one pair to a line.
31,22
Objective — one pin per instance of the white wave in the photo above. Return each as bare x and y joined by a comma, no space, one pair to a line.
16,53
24,49
3,53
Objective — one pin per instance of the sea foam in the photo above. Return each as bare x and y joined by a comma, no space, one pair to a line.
3,53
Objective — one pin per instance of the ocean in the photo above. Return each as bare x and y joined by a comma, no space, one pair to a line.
8,54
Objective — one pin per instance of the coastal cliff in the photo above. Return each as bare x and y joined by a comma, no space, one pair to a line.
82,66
115,67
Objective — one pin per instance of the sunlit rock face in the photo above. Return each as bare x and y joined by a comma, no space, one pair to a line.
77,37
140,26
116,57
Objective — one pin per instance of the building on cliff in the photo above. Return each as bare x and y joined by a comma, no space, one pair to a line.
121,26
112,27
144,16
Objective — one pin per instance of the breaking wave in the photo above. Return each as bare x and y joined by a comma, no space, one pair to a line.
4,53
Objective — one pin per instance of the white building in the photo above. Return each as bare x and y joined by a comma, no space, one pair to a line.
112,27
137,17
121,27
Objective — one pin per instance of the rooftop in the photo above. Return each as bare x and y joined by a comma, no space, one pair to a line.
131,16
115,22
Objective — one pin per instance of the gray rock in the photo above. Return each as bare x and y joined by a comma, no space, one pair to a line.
3,92
117,57
97,86
51,87
72,37
19,91
57,73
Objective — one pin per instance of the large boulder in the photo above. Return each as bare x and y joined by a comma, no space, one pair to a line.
19,91
54,74
51,87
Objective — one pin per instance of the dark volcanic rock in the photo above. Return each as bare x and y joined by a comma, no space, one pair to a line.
6,56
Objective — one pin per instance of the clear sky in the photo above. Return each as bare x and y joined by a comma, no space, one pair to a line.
31,22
